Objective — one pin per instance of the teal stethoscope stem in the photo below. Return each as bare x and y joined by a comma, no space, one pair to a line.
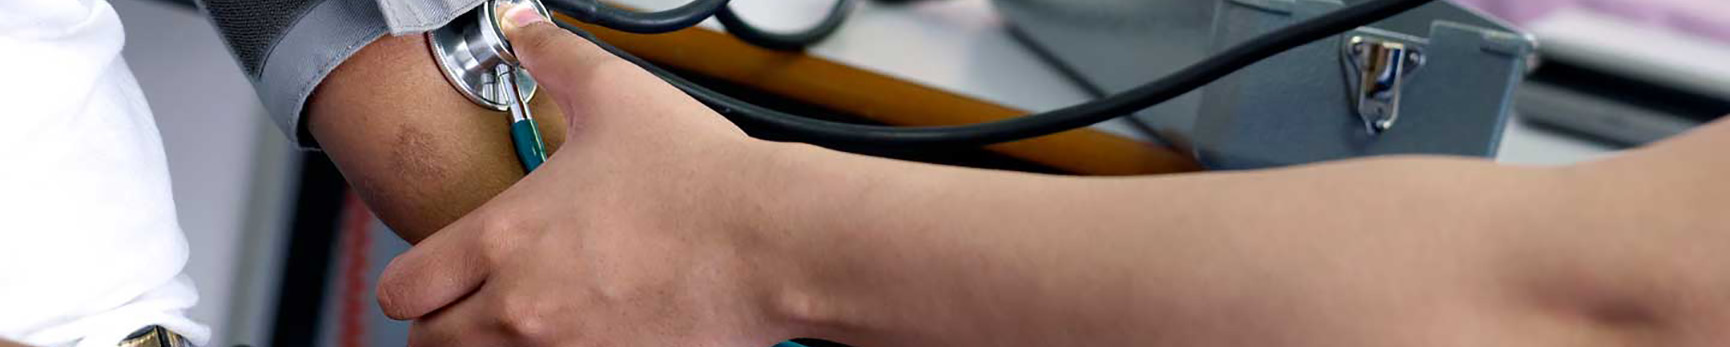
531,150
525,136
789,344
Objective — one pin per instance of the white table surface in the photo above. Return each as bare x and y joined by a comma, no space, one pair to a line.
963,46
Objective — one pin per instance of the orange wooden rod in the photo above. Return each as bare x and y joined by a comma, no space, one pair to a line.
886,99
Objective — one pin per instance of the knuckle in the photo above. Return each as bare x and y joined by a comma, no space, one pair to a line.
498,223
609,78
422,335
524,318
539,39
609,70
496,237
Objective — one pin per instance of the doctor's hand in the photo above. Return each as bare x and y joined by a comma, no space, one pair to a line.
638,232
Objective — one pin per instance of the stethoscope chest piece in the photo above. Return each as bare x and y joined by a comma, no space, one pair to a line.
469,50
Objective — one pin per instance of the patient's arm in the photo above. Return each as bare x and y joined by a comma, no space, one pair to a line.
420,154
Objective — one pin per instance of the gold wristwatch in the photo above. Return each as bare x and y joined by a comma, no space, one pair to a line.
154,336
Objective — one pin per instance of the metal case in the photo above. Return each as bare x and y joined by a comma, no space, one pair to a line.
1304,106
1301,106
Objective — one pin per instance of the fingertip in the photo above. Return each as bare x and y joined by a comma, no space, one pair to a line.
543,37
541,41
560,61
393,293
522,16
521,22
432,275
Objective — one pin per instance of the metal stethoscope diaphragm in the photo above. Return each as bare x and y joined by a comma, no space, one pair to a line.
470,48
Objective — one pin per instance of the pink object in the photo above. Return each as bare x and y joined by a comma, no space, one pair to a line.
1707,18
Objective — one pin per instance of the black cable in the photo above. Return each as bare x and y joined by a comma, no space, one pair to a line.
595,12
785,41
1077,116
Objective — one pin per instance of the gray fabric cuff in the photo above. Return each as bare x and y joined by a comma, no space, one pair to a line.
323,38
289,46
413,16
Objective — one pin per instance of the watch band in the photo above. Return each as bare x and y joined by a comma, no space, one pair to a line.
154,336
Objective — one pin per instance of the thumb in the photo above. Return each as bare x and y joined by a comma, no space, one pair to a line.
598,90
546,49
562,62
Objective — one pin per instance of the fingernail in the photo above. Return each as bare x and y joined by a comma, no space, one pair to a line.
523,15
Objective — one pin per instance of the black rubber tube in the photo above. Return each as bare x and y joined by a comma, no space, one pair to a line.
794,41
595,12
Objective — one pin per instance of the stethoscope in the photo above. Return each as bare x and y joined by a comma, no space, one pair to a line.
478,61
472,49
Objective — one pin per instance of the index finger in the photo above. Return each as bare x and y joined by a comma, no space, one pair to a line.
434,274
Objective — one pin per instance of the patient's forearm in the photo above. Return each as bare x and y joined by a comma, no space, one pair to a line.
900,255
419,154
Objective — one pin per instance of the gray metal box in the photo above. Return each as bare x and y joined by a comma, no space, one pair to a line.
1299,107
1452,98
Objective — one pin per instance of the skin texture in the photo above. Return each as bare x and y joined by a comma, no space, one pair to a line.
5,343
661,224
419,153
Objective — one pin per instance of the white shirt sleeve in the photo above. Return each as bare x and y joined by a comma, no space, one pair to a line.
90,249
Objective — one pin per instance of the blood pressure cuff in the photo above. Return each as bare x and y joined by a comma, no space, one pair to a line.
287,47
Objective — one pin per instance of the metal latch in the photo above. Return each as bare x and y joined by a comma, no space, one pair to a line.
1378,69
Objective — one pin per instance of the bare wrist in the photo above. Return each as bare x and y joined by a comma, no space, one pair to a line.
799,193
